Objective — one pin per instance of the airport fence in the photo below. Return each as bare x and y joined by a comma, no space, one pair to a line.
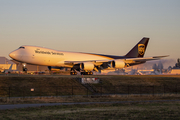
90,90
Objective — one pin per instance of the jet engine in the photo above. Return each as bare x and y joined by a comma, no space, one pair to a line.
87,66
118,64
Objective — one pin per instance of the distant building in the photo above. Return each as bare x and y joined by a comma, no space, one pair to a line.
175,71
4,60
5,64
176,68
30,68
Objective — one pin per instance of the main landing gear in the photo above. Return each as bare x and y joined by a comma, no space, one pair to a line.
87,73
82,73
73,73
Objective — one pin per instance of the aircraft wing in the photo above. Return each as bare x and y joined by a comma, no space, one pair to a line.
126,60
95,62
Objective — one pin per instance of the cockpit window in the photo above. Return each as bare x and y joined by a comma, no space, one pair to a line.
21,47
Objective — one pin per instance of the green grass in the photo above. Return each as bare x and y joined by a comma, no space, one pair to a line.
137,111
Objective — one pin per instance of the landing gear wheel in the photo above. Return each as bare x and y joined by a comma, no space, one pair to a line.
73,73
86,73
90,73
82,73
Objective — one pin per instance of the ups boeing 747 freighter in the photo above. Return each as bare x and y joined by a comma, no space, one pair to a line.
85,63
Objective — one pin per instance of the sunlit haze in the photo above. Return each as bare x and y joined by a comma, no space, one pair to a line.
93,26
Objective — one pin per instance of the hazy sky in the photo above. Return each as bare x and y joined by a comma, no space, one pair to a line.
93,26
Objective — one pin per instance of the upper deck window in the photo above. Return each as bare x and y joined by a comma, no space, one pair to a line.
21,47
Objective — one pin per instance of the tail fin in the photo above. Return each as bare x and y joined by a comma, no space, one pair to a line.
139,49
10,68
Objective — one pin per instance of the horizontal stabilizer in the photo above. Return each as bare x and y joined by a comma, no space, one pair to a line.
130,60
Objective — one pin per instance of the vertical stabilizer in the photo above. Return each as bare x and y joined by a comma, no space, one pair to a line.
139,49
10,68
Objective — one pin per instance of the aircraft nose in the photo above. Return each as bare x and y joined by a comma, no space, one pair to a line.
12,54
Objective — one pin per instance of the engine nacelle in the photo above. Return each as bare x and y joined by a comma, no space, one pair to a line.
118,64
87,66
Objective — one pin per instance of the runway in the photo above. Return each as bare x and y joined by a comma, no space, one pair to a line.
18,106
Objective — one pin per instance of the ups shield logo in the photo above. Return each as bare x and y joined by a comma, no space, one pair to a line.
141,49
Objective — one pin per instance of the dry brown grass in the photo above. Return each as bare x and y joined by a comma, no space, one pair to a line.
25,82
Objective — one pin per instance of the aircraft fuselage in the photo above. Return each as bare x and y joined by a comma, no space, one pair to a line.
49,57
